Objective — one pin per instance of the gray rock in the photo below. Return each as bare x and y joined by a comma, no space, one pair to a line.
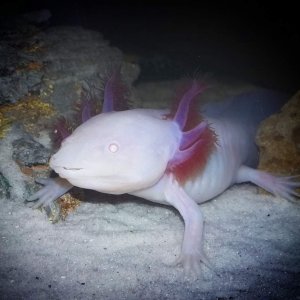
27,152
74,56
12,82
54,63
4,187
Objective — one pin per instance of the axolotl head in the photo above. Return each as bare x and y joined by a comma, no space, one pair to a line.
118,152
126,151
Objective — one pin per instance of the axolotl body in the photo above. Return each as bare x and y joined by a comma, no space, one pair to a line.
178,158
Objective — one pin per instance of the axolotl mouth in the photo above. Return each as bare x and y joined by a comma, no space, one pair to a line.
67,172
80,177
72,169
63,170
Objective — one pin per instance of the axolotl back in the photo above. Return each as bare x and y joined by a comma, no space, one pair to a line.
177,158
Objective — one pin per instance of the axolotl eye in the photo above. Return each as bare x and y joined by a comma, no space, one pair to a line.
113,147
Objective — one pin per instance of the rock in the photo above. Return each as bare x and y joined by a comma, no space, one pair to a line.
72,56
278,138
17,75
30,155
4,187
55,62
32,114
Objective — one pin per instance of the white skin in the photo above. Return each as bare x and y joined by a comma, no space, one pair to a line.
128,152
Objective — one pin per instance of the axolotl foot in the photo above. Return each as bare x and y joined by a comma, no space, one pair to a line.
281,186
52,189
191,262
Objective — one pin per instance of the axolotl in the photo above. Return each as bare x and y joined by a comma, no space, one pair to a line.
175,157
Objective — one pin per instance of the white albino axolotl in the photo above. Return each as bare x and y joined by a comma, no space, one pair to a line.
176,158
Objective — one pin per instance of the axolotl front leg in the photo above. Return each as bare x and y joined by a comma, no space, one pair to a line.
192,246
52,189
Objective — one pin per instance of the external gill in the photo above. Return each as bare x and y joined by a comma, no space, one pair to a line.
196,144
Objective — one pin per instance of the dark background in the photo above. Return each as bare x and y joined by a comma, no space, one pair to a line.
251,41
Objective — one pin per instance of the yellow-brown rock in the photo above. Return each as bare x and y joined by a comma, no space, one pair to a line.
278,138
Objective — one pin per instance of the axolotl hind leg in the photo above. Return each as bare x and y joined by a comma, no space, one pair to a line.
192,247
282,186
52,189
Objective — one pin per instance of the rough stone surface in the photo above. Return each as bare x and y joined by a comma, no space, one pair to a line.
18,77
75,55
278,138
55,63
4,187
28,152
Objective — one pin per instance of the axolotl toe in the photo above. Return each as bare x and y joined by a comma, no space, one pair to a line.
178,158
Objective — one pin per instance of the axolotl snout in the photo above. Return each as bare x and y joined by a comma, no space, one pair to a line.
177,158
